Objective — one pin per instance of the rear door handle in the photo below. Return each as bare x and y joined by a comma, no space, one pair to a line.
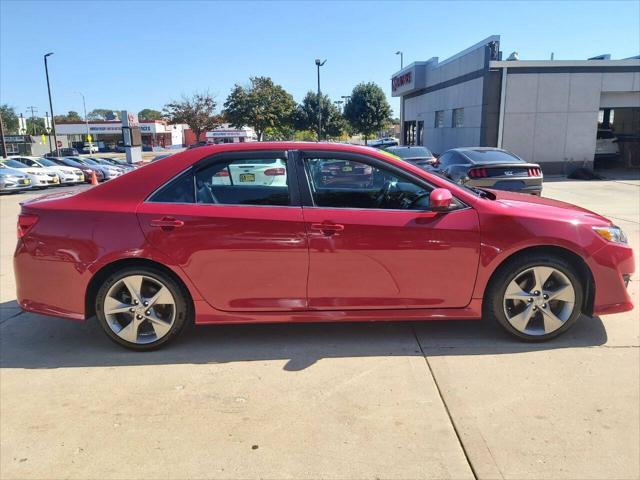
327,228
166,222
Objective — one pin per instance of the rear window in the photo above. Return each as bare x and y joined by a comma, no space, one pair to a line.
492,156
411,152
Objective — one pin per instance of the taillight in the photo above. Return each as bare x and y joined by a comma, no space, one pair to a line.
478,173
222,173
534,172
25,222
272,172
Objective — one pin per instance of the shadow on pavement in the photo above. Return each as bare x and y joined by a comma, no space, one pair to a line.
34,341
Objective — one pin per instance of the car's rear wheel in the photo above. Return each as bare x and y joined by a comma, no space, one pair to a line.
535,298
142,308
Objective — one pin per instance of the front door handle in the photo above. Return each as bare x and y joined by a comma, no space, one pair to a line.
327,228
166,222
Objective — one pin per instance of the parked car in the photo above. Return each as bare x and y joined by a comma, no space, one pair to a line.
40,177
486,167
68,175
124,167
161,156
147,253
383,142
416,154
253,172
90,148
108,170
63,152
86,171
196,145
12,180
607,144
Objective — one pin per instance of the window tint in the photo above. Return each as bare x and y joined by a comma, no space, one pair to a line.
411,152
492,156
445,159
179,190
338,183
244,182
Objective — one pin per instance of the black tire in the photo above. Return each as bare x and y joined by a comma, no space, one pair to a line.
494,295
183,310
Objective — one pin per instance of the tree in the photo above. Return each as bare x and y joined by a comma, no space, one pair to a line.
149,114
39,126
9,119
306,118
71,116
367,110
103,114
263,105
196,111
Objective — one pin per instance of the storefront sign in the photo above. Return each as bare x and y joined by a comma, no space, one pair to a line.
401,80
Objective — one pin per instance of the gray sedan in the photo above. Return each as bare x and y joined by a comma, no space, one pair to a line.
486,167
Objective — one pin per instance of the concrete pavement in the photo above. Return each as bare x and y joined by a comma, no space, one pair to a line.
426,400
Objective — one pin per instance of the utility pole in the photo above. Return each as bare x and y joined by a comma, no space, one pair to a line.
33,118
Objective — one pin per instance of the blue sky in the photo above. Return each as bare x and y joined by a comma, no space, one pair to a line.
138,55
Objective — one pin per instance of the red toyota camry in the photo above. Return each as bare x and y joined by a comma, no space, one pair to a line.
309,232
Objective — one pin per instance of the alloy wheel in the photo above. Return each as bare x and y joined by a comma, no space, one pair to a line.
139,309
539,300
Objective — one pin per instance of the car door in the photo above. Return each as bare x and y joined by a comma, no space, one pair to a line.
240,238
374,243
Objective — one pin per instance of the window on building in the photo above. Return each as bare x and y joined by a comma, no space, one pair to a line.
410,132
439,119
420,133
457,119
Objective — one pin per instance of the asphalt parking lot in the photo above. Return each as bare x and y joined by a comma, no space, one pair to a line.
450,399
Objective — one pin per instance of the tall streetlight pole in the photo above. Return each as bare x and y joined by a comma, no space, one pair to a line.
53,120
318,65
86,120
401,59
4,145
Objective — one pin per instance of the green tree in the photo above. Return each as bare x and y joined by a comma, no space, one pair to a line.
39,126
71,116
103,114
263,105
149,114
9,119
197,111
367,111
306,118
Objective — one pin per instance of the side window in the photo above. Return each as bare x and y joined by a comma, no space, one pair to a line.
179,190
251,181
445,160
339,183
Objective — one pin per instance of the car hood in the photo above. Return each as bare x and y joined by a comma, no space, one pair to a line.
532,205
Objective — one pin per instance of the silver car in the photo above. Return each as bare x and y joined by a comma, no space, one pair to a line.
13,180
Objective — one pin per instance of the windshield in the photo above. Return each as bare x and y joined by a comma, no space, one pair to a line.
72,162
88,161
46,162
411,152
492,156
13,164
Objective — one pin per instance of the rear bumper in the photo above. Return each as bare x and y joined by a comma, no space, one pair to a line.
521,185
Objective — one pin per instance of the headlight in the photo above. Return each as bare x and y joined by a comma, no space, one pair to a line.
611,234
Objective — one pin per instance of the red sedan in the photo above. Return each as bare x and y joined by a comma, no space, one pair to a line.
169,244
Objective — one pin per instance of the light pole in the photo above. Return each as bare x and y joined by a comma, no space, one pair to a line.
4,145
319,64
401,59
86,120
53,120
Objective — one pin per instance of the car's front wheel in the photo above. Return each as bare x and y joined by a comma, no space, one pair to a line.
535,298
142,308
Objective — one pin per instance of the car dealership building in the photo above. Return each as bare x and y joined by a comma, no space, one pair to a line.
545,111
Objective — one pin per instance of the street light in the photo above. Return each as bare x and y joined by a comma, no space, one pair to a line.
53,121
401,59
86,120
318,65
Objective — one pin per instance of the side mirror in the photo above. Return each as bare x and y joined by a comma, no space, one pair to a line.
440,200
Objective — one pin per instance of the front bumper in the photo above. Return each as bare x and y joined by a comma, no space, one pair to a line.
13,185
612,267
